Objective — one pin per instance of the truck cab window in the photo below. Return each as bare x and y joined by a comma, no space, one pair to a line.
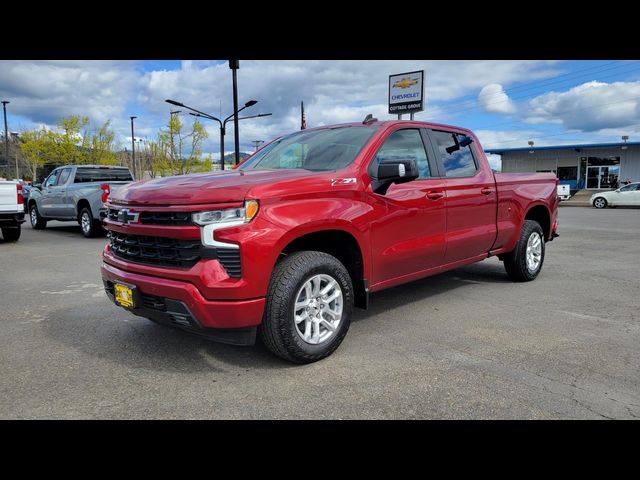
457,160
64,176
52,179
405,144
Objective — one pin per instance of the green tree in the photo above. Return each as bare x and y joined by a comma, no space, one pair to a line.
176,141
39,147
98,146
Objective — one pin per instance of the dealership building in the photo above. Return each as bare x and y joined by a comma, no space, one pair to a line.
591,166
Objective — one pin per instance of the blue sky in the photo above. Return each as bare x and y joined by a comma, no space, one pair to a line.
507,103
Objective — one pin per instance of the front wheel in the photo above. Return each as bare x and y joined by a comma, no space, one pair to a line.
524,263
308,309
600,202
11,234
37,222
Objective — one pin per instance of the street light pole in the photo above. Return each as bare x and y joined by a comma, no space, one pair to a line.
234,65
223,124
133,148
6,132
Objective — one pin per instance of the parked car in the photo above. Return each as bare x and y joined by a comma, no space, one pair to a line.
629,195
76,193
11,210
304,230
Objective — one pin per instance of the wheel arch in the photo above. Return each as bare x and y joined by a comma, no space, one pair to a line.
338,241
82,203
541,214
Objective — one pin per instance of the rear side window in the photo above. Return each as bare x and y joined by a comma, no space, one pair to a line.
405,144
84,175
457,160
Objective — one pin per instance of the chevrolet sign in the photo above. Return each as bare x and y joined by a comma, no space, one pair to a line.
406,92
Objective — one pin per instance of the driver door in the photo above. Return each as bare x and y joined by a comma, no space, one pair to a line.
410,237
50,194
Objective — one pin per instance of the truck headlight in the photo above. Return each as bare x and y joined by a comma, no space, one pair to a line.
243,214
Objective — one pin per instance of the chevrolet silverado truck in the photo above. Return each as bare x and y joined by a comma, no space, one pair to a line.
76,193
285,245
11,210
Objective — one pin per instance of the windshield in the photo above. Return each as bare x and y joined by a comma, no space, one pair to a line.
318,150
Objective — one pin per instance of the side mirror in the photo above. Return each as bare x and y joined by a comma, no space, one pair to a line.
36,185
394,171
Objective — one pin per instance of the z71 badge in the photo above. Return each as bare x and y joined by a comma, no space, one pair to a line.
342,181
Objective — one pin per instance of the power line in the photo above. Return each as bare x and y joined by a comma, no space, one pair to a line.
519,97
538,83
510,122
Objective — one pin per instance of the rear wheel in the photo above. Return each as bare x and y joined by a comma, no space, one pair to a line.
37,222
90,227
11,234
524,263
308,308
600,202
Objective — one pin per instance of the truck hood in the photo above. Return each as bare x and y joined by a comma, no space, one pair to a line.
215,187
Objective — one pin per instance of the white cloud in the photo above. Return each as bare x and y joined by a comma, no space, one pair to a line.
589,107
46,91
333,91
492,98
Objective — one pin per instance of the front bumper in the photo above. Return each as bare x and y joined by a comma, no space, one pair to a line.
181,304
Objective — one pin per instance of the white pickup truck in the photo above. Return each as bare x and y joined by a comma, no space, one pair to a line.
11,210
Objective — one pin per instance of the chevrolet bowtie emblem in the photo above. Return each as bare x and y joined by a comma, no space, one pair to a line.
405,82
125,216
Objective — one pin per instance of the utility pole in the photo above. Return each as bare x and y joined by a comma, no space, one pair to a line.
6,132
133,148
234,65
16,139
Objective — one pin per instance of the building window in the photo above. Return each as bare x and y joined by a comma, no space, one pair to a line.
602,161
568,173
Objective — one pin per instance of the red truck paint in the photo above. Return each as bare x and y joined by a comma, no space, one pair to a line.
416,229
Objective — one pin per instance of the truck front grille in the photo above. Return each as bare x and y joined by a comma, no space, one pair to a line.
157,218
170,252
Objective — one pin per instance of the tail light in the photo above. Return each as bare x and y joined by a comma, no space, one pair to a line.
20,199
105,192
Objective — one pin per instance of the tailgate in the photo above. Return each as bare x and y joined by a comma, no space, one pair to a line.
8,194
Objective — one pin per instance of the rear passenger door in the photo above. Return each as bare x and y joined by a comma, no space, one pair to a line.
471,199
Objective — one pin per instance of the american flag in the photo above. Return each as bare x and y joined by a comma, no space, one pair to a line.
303,121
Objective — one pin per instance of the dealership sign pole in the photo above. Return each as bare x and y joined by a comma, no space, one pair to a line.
406,93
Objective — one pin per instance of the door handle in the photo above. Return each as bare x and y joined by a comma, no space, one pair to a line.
435,195
486,191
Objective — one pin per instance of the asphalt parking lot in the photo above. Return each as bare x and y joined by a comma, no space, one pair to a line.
462,345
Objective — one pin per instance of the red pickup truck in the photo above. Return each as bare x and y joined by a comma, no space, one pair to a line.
286,244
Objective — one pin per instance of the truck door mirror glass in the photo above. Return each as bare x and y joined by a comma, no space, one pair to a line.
394,171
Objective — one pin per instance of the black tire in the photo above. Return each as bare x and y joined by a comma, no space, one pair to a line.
278,330
37,222
515,262
11,234
88,225
600,202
